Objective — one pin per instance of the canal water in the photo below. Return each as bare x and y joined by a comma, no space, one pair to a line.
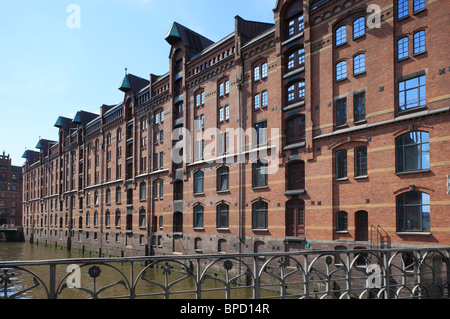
117,277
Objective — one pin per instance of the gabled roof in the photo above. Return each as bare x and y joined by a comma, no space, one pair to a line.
83,117
133,83
194,41
43,144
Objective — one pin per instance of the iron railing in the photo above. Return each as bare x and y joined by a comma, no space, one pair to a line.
357,274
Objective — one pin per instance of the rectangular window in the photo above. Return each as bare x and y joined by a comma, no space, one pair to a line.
221,90
419,5
161,160
261,133
412,93
197,100
402,8
341,112
259,174
359,106
161,189
203,98
221,115
227,87
341,70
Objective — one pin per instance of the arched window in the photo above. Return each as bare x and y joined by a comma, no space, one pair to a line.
341,164
403,48
95,219
198,216
361,161
222,216
402,8
359,27
341,35
118,195
296,59
223,179
96,198
108,196
419,42
413,152
341,70
296,92
143,191
199,182
107,219
142,218
413,212
359,64
341,221
260,215
118,219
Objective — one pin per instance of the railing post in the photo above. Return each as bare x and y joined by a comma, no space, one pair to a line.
52,284
256,279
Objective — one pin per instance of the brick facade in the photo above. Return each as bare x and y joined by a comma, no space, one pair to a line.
336,177
10,193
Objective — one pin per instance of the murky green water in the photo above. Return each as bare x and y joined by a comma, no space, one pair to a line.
118,277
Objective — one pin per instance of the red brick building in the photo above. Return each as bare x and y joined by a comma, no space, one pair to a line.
328,129
10,193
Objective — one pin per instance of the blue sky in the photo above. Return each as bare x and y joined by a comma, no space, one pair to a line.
49,70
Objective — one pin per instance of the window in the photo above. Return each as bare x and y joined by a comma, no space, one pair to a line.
402,8
359,107
257,102
359,64
412,152
261,133
155,189
341,35
95,219
260,215
108,196
296,129
264,99
296,59
227,113
341,70
419,42
143,191
96,198
296,26
413,212
117,221
256,74
161,189
403,48
198,216
296,176
341,164
227,87
419,5
199,182
88,220
223,179
341,112
296,92
359,27
260,175
412,93
341,221
361,161
222,214
221,115
107,219
142,219
264,70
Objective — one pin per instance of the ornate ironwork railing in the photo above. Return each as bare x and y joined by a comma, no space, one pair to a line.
358,274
